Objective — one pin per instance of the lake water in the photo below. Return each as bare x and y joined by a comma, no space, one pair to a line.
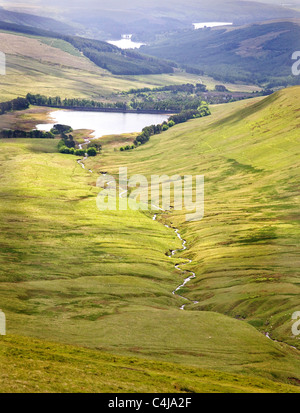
210,24
125,44
103,123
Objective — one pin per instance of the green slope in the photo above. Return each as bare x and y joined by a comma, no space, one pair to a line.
40,366
71,274
104,55
259,53
245,250
52,66
32,20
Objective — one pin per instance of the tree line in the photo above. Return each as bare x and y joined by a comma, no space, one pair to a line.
183,116
41,100
186,87
34,134
175,104
14,104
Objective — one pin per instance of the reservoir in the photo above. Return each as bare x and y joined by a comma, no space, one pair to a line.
125,42
103,123
210,24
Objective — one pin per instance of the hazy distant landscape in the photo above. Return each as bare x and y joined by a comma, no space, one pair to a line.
142,299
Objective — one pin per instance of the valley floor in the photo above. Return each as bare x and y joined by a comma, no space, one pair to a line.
103,281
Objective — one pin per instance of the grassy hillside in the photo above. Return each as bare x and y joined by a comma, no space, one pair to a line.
54,67
104,55
244,251
40,366
73,274
259,53
33,20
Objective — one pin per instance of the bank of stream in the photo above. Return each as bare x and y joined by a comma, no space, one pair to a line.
172,252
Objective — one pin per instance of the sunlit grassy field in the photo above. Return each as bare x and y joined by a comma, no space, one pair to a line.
72,274
40,366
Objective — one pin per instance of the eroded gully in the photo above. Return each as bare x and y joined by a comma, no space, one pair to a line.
172,252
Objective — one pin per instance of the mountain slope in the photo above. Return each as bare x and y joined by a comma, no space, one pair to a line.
144,18
41,366
104,55
32,20
244,251
52,66
259,53
73,274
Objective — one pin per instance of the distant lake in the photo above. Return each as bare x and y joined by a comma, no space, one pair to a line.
103,123
210,24
126,43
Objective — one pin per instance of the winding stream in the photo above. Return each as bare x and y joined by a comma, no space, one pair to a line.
186,280
177,266
80,161
173,252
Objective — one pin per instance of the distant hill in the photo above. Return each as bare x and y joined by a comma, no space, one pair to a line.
258,53
143,18
35,21
104,55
